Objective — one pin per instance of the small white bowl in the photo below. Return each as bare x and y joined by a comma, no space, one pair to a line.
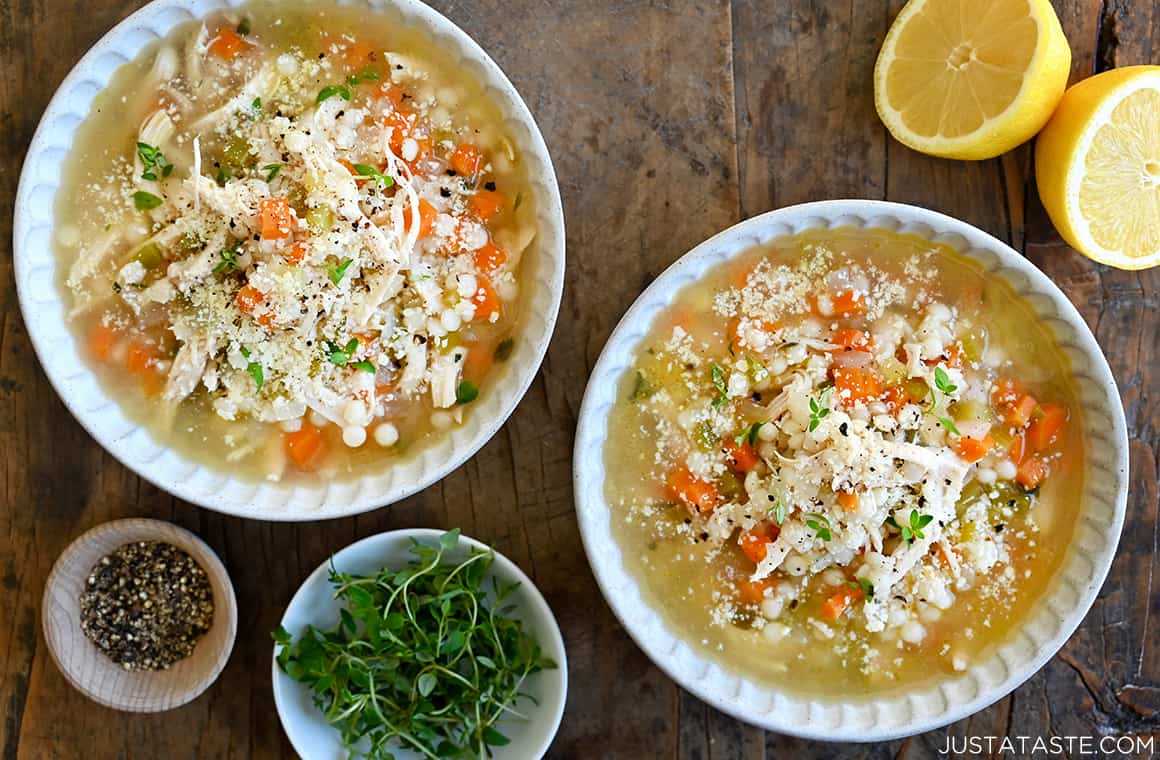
1049,624
542,285
314,604
88,669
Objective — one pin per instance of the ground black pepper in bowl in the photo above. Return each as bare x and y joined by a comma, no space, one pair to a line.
146,605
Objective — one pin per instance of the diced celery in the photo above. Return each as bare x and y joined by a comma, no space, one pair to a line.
705,438
973,344
917,388
642,388
1012,496
893,371
731,486
320,219
971,410
236,154
189,243
971,492
150,256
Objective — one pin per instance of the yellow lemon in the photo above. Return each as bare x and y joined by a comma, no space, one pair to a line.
970,79
1097,164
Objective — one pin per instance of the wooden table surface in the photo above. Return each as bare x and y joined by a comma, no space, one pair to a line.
668,120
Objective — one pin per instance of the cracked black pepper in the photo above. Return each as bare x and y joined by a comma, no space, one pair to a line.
146,605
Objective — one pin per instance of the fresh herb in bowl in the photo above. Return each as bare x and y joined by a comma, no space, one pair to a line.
425,657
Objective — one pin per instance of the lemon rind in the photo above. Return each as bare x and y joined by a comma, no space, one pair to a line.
988,140
1077,161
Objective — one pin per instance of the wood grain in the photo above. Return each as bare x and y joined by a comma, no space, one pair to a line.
668,120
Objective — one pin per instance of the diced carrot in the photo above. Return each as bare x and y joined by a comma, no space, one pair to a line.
305,447
297,253
844,303
752,592
228,45
974,449
485,299
139,359
752,325
854,340
427,214
856,384
840,601
682,318
1018,449
250,298
741,458
1032,471
1019,413
952,356
489,258
739,274
756,540
424,150
102,339
944,557
1047,424
358,53
392,92
276,218
402,123
848,500
480,358
466,160
848,303
896,396
696,494
487,204
1006,393
753,543
153,383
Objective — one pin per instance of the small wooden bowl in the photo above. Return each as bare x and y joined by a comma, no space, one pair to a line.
88,669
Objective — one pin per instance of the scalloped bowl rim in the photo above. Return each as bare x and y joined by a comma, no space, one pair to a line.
551,641
42,304
902,712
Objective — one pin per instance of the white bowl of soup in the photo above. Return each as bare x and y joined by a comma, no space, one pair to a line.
851,470
289,260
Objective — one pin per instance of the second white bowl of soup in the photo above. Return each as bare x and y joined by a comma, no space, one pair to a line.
308,257
851,470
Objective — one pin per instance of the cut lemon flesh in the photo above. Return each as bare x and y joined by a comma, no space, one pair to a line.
970,79
1097,165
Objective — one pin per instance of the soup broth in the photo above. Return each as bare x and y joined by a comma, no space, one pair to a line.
291,239
845,462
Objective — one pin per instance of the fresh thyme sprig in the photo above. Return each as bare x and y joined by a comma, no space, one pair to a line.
913,528
717,375
153,161
370,172
749,435
819,409
819,524
424,657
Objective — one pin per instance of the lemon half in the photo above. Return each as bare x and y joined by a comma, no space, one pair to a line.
1097,164
970,79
